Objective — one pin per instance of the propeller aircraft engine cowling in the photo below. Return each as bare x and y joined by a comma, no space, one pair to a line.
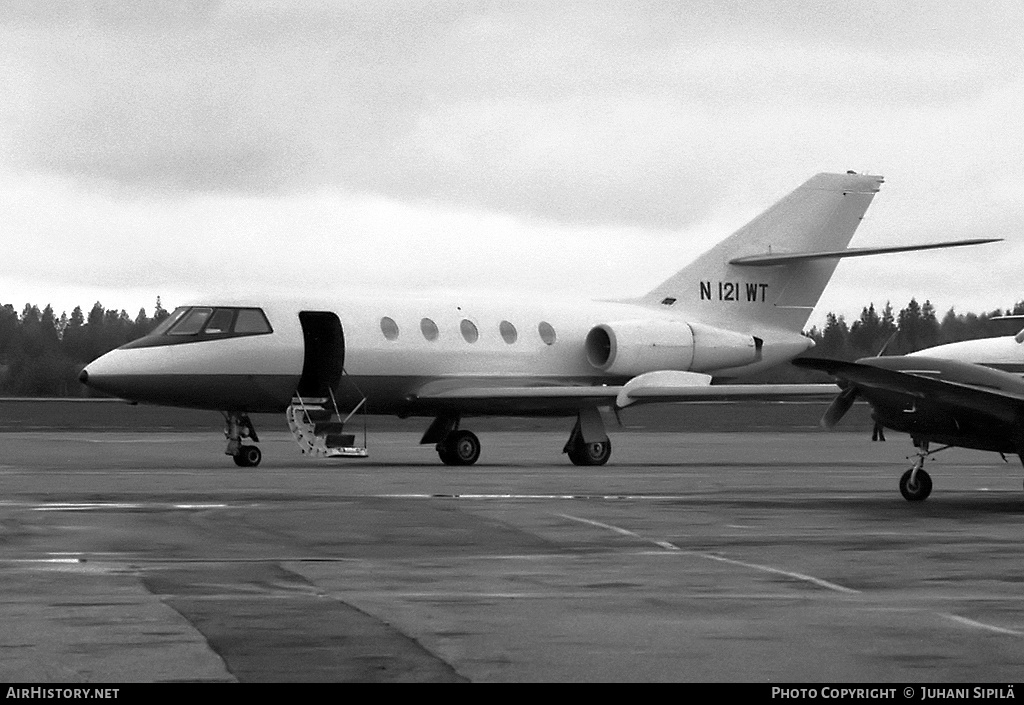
634,347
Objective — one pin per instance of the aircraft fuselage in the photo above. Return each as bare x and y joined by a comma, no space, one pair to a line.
395,348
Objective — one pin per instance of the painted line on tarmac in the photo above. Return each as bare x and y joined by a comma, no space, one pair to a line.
537,496
119,560
182,438
979,625
778,571
722,559
91,506
624,532
589,594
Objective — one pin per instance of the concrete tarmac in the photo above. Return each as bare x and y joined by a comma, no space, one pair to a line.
698,557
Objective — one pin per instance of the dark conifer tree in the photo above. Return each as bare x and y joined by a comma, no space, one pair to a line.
834,339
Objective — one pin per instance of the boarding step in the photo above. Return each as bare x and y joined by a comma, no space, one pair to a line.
311,401
340,440
317,416
323,428
319,431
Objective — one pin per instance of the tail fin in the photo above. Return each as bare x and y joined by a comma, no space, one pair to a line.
820,216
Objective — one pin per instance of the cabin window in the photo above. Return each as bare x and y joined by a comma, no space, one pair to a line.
429,329
508,332
389,328
469,331
547,333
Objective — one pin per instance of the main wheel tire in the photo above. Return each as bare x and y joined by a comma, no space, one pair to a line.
591,453
445,454
921,488
248,457
459,448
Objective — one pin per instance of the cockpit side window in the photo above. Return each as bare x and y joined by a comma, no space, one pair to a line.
251,321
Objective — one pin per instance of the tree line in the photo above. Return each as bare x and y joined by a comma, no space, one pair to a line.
915,327
42,354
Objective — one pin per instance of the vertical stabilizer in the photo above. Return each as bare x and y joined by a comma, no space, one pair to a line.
819,216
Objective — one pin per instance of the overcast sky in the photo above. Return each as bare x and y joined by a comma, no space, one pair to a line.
171,148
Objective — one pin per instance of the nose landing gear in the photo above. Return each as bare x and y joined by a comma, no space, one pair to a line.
916,484
915,488
238,427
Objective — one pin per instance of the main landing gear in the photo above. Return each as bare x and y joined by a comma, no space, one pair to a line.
238,427
454,446
459,448
588,443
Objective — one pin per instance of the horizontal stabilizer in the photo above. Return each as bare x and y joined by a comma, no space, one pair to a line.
776,258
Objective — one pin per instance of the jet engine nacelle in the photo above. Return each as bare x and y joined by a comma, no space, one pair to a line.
634,347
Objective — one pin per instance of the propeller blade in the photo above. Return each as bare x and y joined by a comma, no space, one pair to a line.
839,406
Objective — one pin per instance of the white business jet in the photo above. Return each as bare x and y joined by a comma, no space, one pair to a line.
738,308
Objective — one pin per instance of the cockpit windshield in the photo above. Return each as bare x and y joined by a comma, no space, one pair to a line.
191,323
169,321
188,324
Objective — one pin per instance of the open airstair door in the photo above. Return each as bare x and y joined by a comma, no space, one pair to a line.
313,416
324,357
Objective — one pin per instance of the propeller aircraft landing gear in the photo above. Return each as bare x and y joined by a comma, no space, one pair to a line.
916,484
915,488
238,427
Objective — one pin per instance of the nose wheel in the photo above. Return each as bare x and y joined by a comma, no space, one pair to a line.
915,488
238,428
916,484
248,457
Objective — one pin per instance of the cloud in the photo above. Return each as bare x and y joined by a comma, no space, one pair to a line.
602,115
181,136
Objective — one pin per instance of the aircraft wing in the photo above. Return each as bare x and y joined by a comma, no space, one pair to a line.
653,387
1001,404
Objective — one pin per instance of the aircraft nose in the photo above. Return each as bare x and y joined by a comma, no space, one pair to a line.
106,374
